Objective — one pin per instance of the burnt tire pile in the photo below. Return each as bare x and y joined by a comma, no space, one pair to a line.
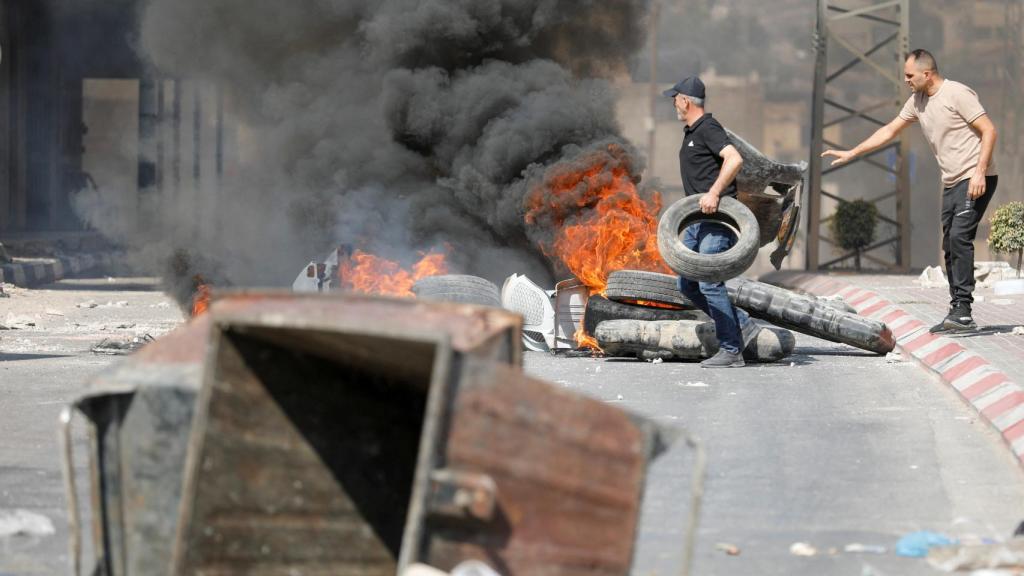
646,316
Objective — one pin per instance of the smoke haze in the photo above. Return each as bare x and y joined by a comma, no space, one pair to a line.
395,126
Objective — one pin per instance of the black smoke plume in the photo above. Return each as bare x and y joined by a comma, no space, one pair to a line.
394,126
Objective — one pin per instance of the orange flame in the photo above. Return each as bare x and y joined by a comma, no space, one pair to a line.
371,274
602,222
201,300
584,340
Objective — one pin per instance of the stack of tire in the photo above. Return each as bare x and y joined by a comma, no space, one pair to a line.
645,314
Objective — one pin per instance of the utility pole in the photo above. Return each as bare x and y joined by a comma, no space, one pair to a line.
652,86
880,16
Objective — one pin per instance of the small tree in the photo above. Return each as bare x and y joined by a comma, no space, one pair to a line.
853,227
1007,234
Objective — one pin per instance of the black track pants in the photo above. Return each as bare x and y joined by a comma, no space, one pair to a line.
960,218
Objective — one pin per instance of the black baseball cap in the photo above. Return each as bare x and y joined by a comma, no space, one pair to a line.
690,86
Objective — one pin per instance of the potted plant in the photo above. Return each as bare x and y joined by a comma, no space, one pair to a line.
1007,237
853,227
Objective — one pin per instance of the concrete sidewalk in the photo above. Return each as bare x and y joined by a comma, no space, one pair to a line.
986,368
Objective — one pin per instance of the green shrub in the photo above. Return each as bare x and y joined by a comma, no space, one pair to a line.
1007,234
853,226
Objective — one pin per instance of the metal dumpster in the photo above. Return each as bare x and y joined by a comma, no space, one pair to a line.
357,435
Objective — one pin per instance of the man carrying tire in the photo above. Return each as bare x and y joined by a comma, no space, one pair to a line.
708,164
962,137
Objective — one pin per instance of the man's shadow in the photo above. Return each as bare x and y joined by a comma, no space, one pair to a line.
984,331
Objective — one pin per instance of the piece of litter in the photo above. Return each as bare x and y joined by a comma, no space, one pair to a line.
1018,331
695,385
89,304
54,312
619,397
598,369
791,364
160,305
857,547
730,549
917,544
802,549
657,361
110,279
894,357
117,347
24,523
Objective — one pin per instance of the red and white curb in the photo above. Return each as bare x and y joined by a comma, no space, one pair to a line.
992,392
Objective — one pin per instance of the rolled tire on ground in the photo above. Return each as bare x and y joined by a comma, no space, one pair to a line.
708,267
665,339
601,309
771,345
810,316
631,286
459,288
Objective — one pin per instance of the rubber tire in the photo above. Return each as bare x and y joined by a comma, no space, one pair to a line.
708,267
625,285
459,288
600,309
664,339
810,316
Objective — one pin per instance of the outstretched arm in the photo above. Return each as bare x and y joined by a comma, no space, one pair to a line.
880,138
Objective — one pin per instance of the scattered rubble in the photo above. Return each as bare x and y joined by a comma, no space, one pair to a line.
858,548
13,322
730,549
802,549
933,277
24,523
112,347
978,556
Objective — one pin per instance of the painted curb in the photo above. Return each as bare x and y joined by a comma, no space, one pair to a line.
28,274
993,393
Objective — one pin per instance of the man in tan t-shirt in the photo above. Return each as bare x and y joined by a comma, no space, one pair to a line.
962,137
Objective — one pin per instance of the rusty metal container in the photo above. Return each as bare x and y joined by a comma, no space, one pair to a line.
357,435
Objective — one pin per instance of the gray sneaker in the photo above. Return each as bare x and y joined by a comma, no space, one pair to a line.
724,359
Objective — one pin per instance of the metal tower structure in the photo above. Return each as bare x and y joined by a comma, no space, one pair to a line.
886,24
1012,121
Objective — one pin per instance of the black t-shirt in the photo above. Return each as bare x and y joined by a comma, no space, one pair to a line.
699,160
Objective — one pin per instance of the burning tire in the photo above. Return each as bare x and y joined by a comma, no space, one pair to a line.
810,316
458,288
630,286
708,267
601,309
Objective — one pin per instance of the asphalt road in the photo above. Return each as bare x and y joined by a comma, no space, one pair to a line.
830,448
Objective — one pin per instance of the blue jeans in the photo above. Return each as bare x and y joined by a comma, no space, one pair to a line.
712,297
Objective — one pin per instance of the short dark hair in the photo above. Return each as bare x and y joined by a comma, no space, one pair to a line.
924,60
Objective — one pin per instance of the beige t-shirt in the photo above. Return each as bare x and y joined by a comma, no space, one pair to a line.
945,118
